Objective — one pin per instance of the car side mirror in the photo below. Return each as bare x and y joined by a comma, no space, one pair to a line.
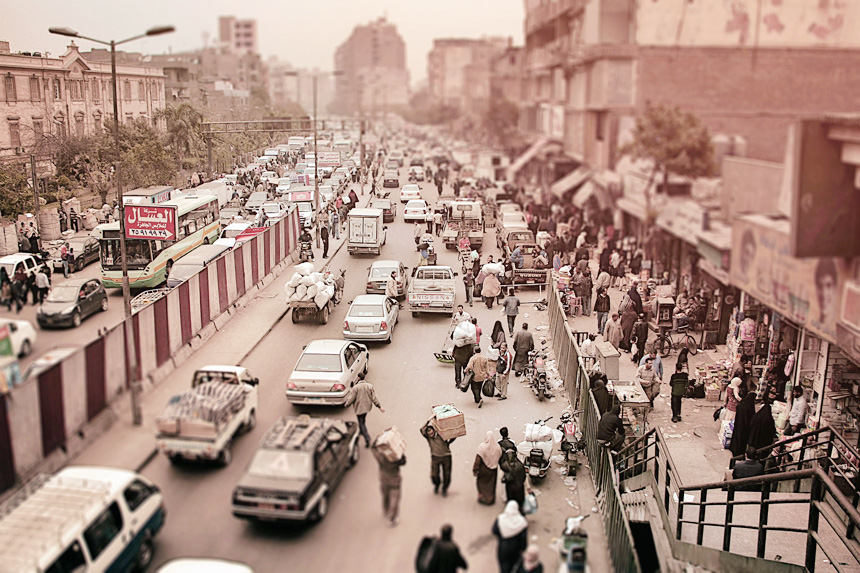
456,274
254,381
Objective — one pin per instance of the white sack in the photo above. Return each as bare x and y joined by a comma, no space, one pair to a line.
465,333
321,299
306,281
312,291
304,269
301,291
295,280
317,277
493,269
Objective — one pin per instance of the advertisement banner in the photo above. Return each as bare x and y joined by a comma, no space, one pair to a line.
150,222
329,159
806,291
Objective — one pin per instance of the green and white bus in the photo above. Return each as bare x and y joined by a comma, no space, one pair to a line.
150,260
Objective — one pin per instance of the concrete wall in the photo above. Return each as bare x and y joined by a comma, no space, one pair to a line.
52,410
750,186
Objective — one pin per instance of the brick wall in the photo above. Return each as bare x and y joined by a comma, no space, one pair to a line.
753,93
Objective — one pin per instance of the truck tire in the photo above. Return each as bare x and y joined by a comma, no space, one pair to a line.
323,313
145,553
295,316
414,314
226,455
320,509
354,455
250,423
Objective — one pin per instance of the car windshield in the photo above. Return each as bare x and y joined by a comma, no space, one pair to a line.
304,207
204,376
365,311
416,205
411,188
282,464
381,272
63,293
260,196
274,209
319,363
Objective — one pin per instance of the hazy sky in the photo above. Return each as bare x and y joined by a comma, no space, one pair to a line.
304,33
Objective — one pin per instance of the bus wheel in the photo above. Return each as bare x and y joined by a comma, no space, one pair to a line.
205,240
167,268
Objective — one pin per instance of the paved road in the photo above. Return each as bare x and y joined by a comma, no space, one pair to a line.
354,536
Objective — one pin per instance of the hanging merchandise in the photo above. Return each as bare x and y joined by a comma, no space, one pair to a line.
789,363
747,330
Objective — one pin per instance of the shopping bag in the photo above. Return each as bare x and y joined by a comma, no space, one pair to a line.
718,414
466,381
530,504
426,552
488,389
634,349
726,429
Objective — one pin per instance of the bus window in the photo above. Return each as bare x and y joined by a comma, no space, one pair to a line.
139,254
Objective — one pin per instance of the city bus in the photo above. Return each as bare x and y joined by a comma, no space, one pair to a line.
150,260
147,195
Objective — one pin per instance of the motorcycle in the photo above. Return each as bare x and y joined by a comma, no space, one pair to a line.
306,252
535,373
537,448
572,544
572,440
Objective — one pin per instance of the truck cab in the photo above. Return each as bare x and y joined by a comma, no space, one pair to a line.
464,216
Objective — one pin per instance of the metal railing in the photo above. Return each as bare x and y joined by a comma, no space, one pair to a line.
572,370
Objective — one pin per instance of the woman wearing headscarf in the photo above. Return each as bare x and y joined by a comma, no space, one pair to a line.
490,289
530,561
743,422
628,319
733,398
486,469
763,429
602,397
514,477
511,529
498,335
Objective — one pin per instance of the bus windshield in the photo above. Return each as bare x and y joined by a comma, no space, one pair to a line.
139,252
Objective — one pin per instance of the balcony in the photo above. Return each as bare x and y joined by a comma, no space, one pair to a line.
550,11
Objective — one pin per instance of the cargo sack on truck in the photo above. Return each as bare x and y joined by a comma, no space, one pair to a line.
196,412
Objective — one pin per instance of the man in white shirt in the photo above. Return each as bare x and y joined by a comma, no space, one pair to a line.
797,416
460,316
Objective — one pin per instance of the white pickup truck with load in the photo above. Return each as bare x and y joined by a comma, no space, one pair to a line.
200,423
431,290
464,217
365,231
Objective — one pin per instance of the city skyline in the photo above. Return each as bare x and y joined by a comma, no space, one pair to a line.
302,45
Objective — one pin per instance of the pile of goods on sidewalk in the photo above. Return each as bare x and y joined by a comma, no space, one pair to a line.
391,444
308,285
538,436
714,377
199,411
448,421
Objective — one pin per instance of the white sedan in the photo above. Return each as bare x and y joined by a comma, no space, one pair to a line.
22,336
409,192
416,210
325,372
371,317
275,211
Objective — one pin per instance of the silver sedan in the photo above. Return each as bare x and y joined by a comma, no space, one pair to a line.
371,317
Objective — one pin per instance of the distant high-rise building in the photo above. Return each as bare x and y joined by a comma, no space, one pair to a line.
373,65
459,70
239,36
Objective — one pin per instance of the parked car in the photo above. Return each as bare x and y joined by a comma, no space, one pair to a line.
85,251
24,261
378,273
325,371
410,191
69,303
296,469
389,208
371,317
390,178
22,335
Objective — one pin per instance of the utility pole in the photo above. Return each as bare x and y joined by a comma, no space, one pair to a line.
361,169
35,194
316,167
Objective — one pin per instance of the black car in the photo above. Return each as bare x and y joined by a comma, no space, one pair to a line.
72,301
296,469
85,251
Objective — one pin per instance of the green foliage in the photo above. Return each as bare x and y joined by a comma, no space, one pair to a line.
184,131
16,196
675,141
145,160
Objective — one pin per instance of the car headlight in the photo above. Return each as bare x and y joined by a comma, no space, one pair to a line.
69,310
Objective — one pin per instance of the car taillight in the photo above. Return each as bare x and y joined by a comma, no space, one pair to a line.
338,388
383,326
345,325
399,284
370,284
291,386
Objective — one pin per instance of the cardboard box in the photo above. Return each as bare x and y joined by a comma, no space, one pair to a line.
391,444
450,425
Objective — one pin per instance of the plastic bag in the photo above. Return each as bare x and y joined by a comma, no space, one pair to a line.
634,349
530,504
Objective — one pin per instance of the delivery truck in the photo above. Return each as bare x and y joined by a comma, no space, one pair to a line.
366,231
201,423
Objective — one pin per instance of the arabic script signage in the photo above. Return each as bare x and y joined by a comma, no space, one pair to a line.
150,222
329,158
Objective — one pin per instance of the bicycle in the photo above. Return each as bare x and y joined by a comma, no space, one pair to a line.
666,341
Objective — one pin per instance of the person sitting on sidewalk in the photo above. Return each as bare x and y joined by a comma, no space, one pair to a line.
749,467
610,429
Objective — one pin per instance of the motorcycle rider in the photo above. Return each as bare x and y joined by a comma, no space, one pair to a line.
305,240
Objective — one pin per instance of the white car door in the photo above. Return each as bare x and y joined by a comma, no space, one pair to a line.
391,314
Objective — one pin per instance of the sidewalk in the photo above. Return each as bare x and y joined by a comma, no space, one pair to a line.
693,442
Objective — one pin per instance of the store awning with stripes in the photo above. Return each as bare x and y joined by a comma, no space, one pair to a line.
527,156
572,180
592,189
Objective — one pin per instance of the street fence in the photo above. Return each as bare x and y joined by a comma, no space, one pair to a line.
50,413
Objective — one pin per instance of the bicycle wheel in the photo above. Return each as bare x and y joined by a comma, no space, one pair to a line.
692,345
662,346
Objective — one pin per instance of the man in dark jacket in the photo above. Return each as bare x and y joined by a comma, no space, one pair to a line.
506,443
749,467
601,307
610,429
440,458
640,336
678,382
446,555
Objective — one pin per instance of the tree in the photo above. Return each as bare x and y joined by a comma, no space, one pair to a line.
673,141
184,129
16,195
145,161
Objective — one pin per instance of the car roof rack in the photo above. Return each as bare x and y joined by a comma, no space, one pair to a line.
297,433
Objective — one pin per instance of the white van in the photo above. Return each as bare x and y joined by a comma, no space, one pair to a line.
81,519
193,263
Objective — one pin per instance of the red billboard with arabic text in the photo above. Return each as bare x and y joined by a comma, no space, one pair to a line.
150,222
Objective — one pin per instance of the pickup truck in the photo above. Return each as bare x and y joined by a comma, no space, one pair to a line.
431,290
464,216
365,231
508,237
201,423
529,273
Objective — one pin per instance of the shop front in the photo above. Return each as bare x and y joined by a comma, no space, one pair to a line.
786,324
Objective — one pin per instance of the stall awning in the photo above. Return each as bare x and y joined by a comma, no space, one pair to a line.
529,154
591,189
631,207
718,273
572,180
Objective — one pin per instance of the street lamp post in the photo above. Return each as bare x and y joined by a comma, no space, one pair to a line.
126,288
